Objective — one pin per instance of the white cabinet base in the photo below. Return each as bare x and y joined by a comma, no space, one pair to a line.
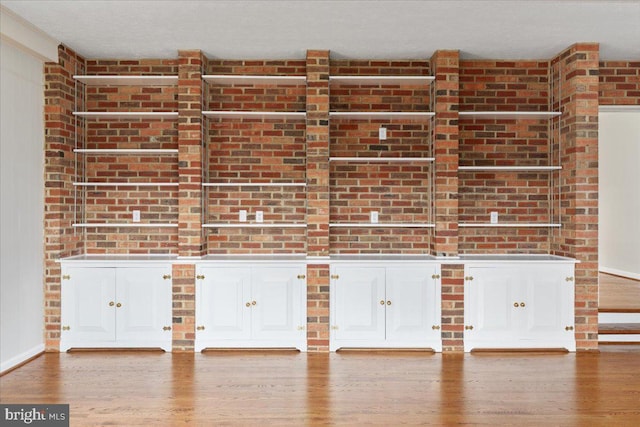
394,305
244,306
519,306
116,307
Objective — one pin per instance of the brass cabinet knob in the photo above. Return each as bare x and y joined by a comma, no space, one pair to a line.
66,277
66,328
111,303
435,327
118,305
301,276
468,328
200,328
521,304
435,276
166,276
568,328
335,276
469,278
200,277
166,328
253,303
568,279
388,302
381,302
248,304
515,304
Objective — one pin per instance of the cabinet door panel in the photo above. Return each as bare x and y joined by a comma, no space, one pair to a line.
411,292
358,312
145,304
549,303
489,307
222,299
85,305
276,291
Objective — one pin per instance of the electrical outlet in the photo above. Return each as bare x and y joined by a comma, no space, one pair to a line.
259,216
373,216
136,216
494,217
242,215
382,133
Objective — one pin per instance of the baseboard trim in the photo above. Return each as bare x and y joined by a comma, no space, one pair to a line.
620,273
21,359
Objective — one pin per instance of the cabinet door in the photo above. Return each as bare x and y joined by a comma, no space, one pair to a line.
143,305
548,310
88,306
490,296
412,301
276,306
222,298
360,302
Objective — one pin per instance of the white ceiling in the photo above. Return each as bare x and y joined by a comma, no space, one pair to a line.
514,29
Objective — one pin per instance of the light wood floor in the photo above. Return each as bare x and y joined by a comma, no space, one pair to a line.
618,292
346,389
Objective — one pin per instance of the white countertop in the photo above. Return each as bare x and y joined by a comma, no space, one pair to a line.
333,259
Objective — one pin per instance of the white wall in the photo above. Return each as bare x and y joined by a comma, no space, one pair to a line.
619,200
21,217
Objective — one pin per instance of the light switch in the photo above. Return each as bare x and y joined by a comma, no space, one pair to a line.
242,215
136,216
259,216
382,133
373,217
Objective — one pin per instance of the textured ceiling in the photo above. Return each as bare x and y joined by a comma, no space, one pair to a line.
513,29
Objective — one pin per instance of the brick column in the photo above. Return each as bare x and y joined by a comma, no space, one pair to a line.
60,238
578,237
190,233
445,67
318,198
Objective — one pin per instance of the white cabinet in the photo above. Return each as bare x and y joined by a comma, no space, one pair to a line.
260,306
385,306
116,307
519,305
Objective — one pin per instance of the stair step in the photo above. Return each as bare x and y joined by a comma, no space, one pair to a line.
618,328
618,317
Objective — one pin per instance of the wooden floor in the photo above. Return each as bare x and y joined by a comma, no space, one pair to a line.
618,293
346,389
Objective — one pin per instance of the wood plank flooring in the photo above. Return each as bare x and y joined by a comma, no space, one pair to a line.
618,293
346,389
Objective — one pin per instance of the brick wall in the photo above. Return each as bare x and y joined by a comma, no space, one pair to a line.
60,238
518,197
268,150
399,192
578,237
256,150
619,83
116,204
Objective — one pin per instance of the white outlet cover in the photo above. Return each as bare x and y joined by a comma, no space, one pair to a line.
382,133
242,215
373,215
136,216
259,216
494,217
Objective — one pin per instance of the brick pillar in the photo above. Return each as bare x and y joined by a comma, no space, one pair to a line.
578,237
190,241
318,198
445,67
60,238
190,233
